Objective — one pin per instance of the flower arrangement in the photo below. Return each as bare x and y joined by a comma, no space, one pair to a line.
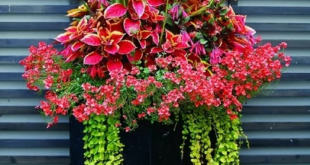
157,60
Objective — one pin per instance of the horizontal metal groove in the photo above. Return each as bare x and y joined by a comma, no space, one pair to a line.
290,43
19,43
281,27
268,10
18,110
35,9
269,159
295,77
275,126
33,127
20,143
283,93
35,159
11,59
32,26
289,142
300,60
276,110
19,93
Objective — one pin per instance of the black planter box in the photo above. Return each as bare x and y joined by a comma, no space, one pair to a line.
150,144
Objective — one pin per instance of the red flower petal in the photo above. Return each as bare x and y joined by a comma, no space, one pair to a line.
77,45
63,38
155,2
131,26
111,49
142,44
126,46
114,65
114,11
156,50
136,57
155,37
92,58
139,7
92,40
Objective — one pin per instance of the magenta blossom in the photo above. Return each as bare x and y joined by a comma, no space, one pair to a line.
185,37
174,11
215,56
198,48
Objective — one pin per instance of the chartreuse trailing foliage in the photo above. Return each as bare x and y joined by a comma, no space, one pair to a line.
164,61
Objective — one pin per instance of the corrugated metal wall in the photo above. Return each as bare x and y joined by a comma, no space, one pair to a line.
23,134
278,125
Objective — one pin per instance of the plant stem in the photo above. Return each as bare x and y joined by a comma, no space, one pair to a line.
123,2
165,21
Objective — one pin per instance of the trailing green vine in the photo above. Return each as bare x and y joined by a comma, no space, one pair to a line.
101,141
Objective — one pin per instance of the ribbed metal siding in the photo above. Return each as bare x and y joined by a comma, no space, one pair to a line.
278,125
24,138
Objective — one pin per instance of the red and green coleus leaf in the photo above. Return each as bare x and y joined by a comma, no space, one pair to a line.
136,56
131,26
72,29
77,45
115,10
73,56
63,38
155,2
111,49
115,37
126,47
114,65
156,50
139,7
142,43
92,58
92,40
155,37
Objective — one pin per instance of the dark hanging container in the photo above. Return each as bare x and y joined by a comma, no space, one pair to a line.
149,144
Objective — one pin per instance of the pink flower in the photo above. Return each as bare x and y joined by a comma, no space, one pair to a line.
215,57
174,12
198,48
185,37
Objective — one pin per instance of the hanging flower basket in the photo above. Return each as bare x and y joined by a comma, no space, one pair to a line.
157,61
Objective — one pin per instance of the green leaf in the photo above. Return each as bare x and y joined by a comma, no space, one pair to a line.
224,12
186,19
111,147
203,41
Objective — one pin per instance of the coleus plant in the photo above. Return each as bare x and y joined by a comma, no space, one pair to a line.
157,60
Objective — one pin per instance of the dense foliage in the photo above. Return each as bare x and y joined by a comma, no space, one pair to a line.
157,60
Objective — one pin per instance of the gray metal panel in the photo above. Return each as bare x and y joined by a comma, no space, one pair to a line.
281,137
30,126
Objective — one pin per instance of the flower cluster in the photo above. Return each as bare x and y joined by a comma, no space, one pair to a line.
135,60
